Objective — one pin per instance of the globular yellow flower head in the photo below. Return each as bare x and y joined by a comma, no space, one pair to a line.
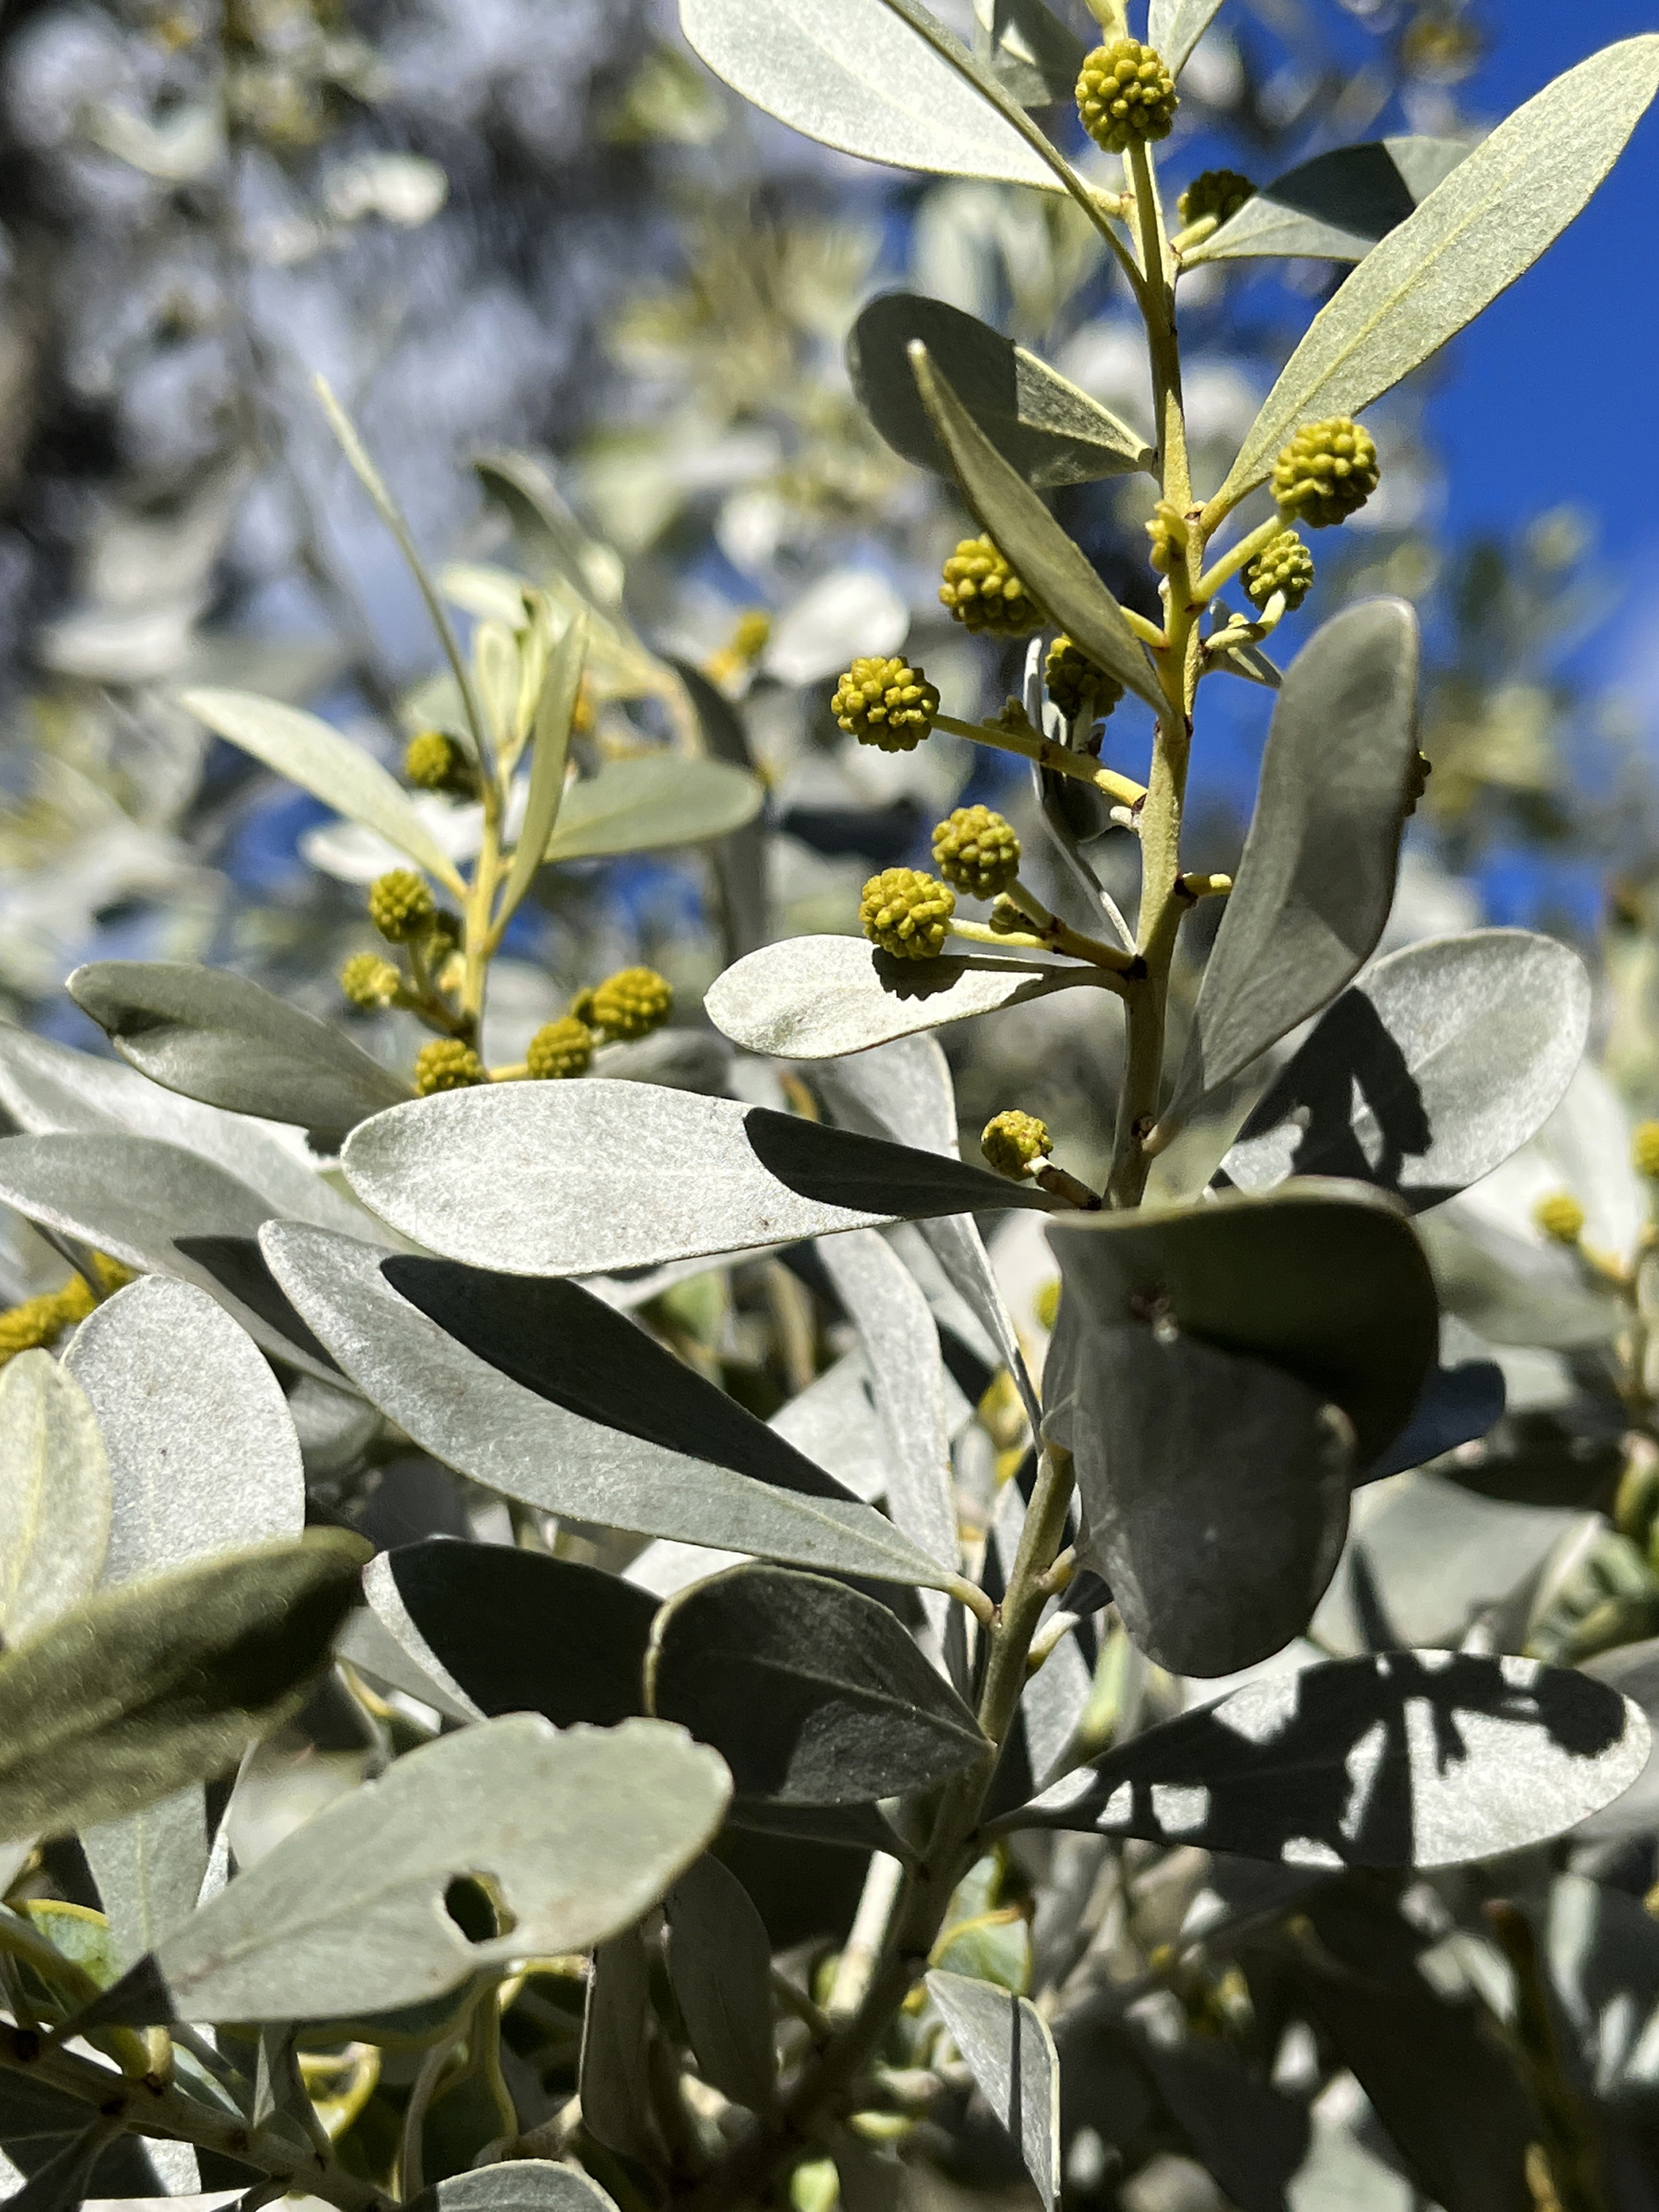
368,981
630,1004
1126,95
1560,1217
885,703
1217,192
447,1064
1644,1149
1013,1143
983,593
907,912
1077,687
1284,564
559,1050
400,906
976,850
1327,473
435,762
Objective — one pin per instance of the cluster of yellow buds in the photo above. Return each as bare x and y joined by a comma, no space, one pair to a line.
627,1005
1560,1217
983,592
1078,688
401,907
1125,96
1284,565
1217,194
559,1050
885,703
977,850
447,1064
436,762
1013,1143
907,913
1327,473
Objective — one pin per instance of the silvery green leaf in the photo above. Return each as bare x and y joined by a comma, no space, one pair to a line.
588,1177
683,1059
1032,54
1325,1280
1314,884
901,1348
739,860
547,533
853,75
1214,1491
1174,28
1044,427
815,998
220,1038
719,1962
510,1631
381,1641
1056,573
51,1091
1633,1671
54,1495
1513,1292
549,755
161,1211
327,765
613,2079
811,1692
834,1421
1428,1073
150,1867
1336,207
1469,241
1015,2069
518,2184
641,806
136,1690
478,1420
203,1455
580,1829
1408,1759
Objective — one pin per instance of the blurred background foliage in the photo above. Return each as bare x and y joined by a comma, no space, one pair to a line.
540,225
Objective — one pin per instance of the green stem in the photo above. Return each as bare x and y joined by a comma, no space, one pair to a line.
1234,558
1081,766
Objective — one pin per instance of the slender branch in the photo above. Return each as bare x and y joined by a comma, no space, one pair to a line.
1046,753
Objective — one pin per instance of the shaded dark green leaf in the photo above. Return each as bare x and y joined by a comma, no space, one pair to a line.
1326,1281
1214,1491
719,1962
1337,206
139,1690
1030,52
614,2080
1457,1405
811,1692
222,1039
1317,879
1408,1759
1427,1073
1042,425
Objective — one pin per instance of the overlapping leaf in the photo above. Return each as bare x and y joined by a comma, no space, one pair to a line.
1317,879
811,1692
518,2184
480,1421
1042,424
852,74
1059,576
329,767
1015,2069
1426,1074
1214,1491
1408,1759
1336,207
136,1690
585,1178
580,1830
1028,50
719,1962
1174,28
54,1495
1469,241
1325,1281
223,1040
641,806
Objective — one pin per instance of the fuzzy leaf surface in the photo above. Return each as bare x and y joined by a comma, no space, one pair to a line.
1005,2042
1336,207
222,1039
484,1424
329,767
1214,1490
1174,28
811,1692
1469,241
588,1177
1326,1281
518,2184
815,998
719,1962
1405,1758
138,1691
582,1829
1043,426
1057,574
642,806
54,1495
1316,879
853,75
1428,1073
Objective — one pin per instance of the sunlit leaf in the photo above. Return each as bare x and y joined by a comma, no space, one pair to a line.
1428,1073
853,75
484,1424
1042,425
1337,206
1057,574
1469,241
1030,53
54,1495
327,765
550,751
222,1039
136,1690
643,804
1408,1759
518,2184
585,1178
1174,28
811,1691
815,998
1015,2069
1317,879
